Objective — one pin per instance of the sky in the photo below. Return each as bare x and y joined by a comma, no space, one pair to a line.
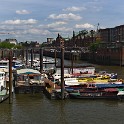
37,20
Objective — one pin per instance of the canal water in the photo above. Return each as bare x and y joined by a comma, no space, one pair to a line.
37,109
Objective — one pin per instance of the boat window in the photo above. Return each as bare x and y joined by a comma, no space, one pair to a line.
31,77
1,64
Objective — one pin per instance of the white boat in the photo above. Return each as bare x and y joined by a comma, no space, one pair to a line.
48,61
71,81
57,74
15,64
83,71
2,80
27,77
36,62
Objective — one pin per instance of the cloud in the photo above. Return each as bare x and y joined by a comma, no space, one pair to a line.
86,25
22,12
74,8
69,16
38,31
56,24
56,27
18,22
62,29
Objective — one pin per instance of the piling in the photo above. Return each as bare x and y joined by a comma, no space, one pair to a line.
55,57
31,57
41,60
72,63
10,77
26,56
62,70
2,54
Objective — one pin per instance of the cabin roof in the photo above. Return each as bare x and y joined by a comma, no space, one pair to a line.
28,71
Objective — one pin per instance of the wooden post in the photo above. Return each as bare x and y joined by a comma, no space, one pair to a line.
120,55
41,60
23,55
10,77
72,59
34,54
55,57
31,57
2,54
62,70
26,56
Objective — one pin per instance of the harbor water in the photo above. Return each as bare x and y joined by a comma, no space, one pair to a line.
37,109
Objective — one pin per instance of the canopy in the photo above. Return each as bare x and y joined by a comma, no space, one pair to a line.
27,71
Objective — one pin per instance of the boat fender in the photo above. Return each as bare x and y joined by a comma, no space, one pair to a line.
120,79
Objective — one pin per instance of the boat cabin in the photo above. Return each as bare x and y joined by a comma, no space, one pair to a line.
27,77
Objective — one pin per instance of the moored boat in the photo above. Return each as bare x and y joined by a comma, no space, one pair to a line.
98,93
27,78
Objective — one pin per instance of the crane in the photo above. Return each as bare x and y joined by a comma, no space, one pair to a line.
8,32
4,33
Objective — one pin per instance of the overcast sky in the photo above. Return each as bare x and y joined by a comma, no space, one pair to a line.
37,20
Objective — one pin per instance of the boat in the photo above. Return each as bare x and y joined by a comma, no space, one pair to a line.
98,91
28,76
3,95
36,62
95,93
4,84
15,64
48,61
57,74
85,71
100,80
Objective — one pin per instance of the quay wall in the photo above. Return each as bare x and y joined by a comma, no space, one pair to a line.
67,55
104,56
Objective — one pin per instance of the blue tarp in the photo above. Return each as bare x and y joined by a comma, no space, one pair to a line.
109,85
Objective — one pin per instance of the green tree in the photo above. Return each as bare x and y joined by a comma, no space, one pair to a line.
94,46
6,45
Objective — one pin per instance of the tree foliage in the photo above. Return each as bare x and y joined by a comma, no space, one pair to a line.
94,46
6,45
